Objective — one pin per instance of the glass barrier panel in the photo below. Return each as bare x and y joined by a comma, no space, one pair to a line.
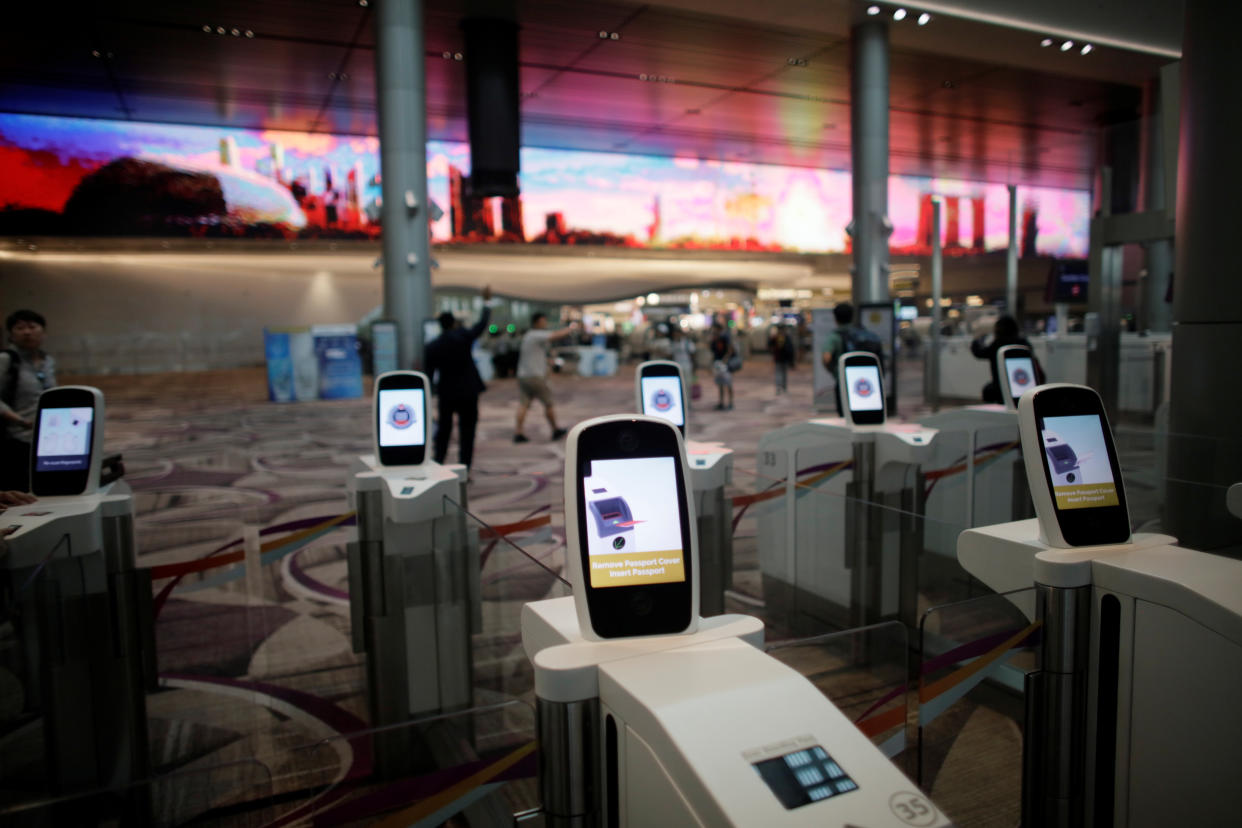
864,673
818,548
974,657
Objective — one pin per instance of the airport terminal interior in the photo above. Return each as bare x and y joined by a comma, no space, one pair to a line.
838,397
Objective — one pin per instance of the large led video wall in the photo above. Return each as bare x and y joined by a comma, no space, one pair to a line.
66,176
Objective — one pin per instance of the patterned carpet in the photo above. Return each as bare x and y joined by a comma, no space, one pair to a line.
259,680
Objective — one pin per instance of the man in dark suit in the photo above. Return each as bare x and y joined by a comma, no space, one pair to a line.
457,382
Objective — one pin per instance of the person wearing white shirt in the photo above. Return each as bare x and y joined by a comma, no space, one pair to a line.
532,374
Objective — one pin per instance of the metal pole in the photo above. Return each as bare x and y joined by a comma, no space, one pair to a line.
1011,261
401,104
869,155
933,364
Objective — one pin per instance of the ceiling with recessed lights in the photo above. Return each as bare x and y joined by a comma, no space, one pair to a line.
969,99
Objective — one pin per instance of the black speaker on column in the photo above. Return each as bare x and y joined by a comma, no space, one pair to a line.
492,110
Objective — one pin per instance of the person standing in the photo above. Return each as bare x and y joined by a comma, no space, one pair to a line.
455,377
26,371
1004,332
781,345
532,374
724,357
835,345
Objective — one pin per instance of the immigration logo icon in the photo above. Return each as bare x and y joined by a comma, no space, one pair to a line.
661,400
1021,377
401,416
863,388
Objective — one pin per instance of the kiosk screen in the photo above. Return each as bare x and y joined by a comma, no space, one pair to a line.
804,777
1020,372
863,384
662,398
64,439
400,414
634,533
1078,462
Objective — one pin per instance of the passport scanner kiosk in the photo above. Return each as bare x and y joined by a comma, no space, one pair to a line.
413,572
980,444
659,389
1132,714
693,728
81,610
832,472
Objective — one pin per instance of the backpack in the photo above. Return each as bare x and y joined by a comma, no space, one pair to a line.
860,339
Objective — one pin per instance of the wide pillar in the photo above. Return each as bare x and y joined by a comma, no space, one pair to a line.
869,153
1205,448
401,103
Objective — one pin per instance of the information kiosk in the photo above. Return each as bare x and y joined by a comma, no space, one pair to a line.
649,715
413,572
659,389
834,472
81,609
1132,713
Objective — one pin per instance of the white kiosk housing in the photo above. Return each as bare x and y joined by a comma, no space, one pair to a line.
695,728
83,618
832,471
1132,718
414,587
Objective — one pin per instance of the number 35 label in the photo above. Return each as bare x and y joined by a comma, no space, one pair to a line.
912,809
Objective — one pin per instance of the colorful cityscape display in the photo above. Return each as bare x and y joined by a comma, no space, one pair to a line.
66,176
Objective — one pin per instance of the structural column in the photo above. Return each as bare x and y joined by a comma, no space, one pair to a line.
869,154
401,104
1205,450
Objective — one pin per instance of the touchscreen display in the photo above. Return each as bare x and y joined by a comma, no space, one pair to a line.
662,398
863,384
633,522
804,777
1077,455
64,439
1021,373
400,414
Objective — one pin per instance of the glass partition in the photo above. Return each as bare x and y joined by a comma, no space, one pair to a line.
974,656
864,673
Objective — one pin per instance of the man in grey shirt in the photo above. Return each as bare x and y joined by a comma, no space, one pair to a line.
25,372
532,374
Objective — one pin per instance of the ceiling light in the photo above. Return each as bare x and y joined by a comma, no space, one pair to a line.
899,15
603,35
924,19
873,10
219,30
1046,42
614,36
249,33
207,30
236,32
1086,49
364,3
1067,45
